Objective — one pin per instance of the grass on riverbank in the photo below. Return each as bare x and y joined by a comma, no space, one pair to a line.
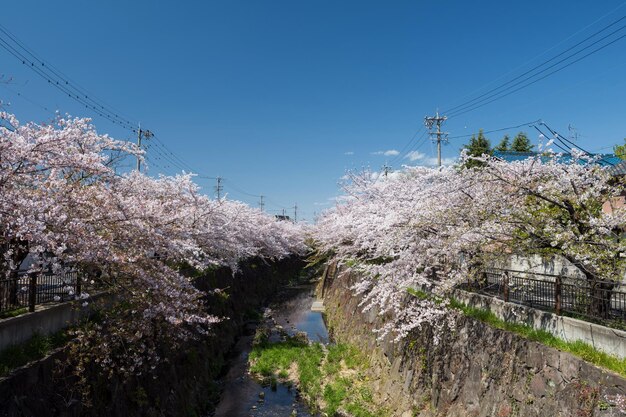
13,313
577,348
36,348
329,378
274,361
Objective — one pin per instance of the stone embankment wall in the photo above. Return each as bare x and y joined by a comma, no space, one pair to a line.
473,370
185,385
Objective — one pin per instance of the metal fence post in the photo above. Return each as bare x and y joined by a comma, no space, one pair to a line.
79,284
32,291
557,295
505,285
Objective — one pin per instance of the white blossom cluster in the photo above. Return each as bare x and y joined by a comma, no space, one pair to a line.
428,229
62,201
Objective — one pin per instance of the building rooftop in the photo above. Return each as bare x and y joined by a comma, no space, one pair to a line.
604,159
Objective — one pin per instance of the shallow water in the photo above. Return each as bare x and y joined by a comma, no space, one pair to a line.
240,396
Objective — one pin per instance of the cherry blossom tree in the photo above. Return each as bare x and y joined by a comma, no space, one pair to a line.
62,201
428,229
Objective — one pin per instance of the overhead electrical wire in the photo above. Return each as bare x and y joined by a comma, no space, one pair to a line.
160,156
53,76
529,77
488,94
566,141
33,102
60,86
496,130
407,148
564,144
546,51
408,144
230,184
499,95
558,145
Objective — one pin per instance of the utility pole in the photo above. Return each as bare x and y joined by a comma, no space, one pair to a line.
219,187
145,134
295,213
261,203
386,169
573,133
436,120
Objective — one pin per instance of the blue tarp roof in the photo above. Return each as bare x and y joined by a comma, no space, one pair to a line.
608,159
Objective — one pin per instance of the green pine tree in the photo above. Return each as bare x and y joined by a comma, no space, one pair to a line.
521,143
620,150
504,144
477,146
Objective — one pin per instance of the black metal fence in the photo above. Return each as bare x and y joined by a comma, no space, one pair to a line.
603,301
29,290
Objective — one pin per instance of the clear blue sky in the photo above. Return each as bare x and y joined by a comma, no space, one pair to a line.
282,97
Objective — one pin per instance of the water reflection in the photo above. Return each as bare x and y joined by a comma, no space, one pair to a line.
244,397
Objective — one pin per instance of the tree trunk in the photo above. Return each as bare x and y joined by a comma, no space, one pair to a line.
600,298
598,294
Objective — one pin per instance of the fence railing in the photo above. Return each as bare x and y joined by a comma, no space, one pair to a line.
597,300
29,290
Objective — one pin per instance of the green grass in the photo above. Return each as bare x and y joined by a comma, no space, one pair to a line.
334,395
13,313
335,375
35,348
271,360
357,409
577,348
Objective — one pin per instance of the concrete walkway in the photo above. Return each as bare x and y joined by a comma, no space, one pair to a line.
318,306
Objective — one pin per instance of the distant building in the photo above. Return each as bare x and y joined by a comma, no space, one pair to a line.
617,170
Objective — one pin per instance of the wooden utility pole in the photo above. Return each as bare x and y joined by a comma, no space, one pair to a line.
436,120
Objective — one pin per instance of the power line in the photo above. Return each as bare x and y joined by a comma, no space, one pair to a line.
164,158
240,191
60,81
547,50
488,93
529,124
53,76
539,79
407,148
162,155
555,143
408,144
275,204
564,140
499,95
60,86
170,157
23,97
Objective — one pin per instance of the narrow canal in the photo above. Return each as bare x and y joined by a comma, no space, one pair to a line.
242,396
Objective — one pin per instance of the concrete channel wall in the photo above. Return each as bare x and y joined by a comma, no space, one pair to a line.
606,339
45,320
